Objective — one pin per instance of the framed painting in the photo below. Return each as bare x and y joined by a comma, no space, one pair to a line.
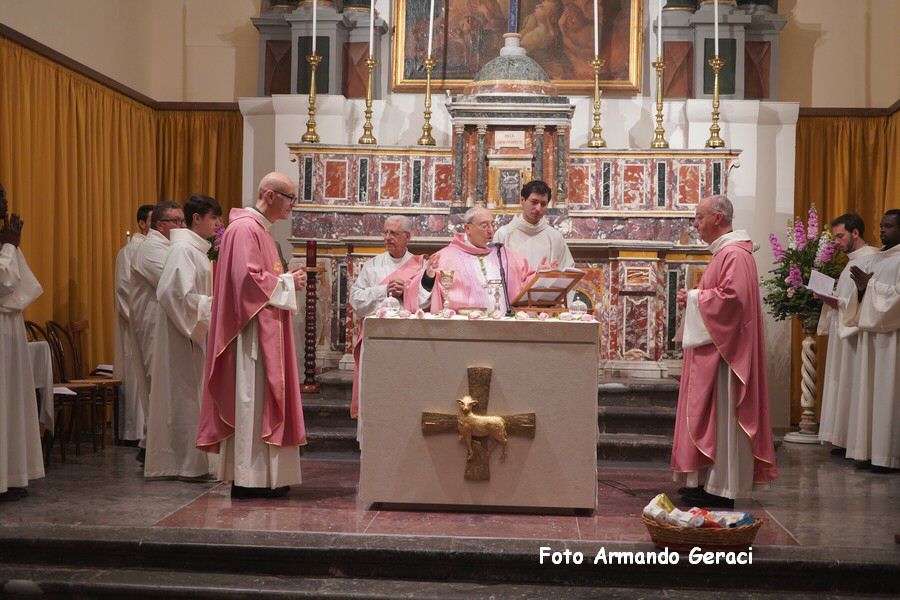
558,34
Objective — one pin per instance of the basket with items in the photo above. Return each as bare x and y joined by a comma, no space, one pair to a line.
676,529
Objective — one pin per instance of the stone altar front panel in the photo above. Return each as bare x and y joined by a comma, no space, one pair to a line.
547,368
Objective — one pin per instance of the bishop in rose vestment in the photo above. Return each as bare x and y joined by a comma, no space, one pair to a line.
251,412
723,437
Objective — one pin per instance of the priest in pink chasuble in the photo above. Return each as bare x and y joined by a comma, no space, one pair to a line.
386,274
251,412
723,437
476,270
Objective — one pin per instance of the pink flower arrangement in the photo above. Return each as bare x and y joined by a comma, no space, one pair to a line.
808,248
812,224
799,234
777,250
795,277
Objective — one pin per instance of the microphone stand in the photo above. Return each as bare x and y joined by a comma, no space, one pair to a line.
509,311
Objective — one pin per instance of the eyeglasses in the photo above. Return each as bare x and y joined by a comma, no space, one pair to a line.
291,197
176,221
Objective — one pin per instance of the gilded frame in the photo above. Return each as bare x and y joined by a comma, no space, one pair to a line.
407,72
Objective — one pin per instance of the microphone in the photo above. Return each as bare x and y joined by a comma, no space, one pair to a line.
498,246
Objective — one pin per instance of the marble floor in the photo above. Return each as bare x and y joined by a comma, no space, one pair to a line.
819,500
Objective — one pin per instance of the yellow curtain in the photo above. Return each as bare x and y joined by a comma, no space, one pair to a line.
77,159
843,164
199,152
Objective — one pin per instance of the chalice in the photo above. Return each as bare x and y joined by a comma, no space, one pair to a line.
446,284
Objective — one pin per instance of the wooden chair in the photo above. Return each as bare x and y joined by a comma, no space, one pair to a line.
64,347
112,387
63,403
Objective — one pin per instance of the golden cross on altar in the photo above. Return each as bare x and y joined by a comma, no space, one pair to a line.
479,431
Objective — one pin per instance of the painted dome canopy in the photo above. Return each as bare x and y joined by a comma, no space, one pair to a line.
511,72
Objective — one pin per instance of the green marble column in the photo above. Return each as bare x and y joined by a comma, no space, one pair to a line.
479,183
538,153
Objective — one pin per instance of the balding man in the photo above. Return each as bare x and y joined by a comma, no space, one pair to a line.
723,438
251,413
476,270
387,274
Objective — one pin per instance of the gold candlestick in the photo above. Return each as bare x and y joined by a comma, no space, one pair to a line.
311,136
659,139
597,140
714,140
427,139
367,137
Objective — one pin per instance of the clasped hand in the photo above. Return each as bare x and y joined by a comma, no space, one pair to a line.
860,278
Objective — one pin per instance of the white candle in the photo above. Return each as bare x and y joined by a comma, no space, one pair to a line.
716,24
372,30
314,28
596,30
430,27
659,29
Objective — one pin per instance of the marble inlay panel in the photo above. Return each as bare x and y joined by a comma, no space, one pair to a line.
634,185
389,182
638,278
336,179
579,191
688,184
443,183
636,328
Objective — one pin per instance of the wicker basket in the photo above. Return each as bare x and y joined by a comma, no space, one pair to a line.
708,538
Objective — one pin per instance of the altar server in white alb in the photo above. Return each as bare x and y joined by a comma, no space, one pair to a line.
185,295
839,392
531,235
874,428
146,270
20,443
127,365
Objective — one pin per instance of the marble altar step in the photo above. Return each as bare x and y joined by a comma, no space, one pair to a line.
656,420
635,418
66,561
637,392
640,447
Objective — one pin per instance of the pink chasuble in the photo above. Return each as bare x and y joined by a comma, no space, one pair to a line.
246,277
467,290
406,271
731,310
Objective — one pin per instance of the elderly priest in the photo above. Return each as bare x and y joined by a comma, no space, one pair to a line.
387,274
723,438
476,270
251,413
875,309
